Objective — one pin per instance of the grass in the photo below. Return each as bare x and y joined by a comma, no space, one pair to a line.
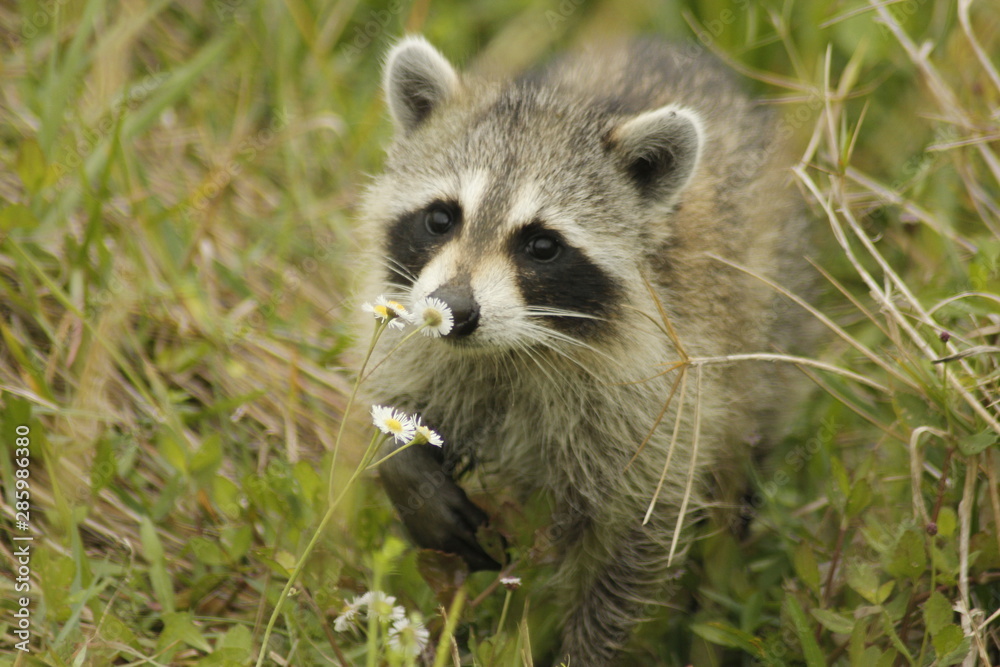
175,231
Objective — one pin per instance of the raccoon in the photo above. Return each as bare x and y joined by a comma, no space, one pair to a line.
582,222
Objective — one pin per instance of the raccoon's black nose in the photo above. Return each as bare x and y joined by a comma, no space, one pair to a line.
463,306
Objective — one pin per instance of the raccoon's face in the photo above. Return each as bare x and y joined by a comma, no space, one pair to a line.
527,221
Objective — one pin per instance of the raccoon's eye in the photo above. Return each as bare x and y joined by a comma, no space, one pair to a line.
439,220
543,248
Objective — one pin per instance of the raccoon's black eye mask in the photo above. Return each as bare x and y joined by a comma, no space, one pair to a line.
415,236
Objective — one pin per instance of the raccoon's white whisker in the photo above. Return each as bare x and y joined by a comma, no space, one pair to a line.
393,265
535,358
558,376
544,339
551,335
540,311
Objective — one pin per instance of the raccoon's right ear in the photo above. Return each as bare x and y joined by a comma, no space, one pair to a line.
417,78
660,150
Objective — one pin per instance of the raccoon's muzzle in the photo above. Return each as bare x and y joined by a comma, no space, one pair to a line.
464,308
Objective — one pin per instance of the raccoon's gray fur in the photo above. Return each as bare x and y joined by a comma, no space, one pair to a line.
552,212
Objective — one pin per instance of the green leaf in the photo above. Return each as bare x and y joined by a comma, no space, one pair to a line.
227,497
908,559
862,578
152,550
16,413
806,568
172,450
859,498
950,640
722,634
30,165
236,540
890,631
55,575
226,657
947,521
884,591
237,637
841,485
856,649
179,626
913,410
974,444
207,458
887,659
810,649
16,216
207,551
937,613
305,474
834,622
103,469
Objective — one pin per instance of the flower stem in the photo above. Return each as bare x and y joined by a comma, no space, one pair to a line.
390,353
503,612
300,564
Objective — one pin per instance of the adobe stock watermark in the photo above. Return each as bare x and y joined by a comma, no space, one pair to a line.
75,154
34,23
793,462
376,22
246,152
22,537
292,280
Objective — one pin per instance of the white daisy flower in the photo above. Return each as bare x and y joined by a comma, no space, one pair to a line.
382,606
388,310
436,314
393,422
426,435
511,583
344,621
408,638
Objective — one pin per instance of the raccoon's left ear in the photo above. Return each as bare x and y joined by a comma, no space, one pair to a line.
659,150
417,78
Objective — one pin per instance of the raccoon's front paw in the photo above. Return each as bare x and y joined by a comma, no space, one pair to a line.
436,511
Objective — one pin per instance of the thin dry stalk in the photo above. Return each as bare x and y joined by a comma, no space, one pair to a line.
827,322
917,468
691,468
946,98
791,359
881,293
670,451
984,59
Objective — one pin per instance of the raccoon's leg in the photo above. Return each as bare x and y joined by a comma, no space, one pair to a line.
436,511
599,626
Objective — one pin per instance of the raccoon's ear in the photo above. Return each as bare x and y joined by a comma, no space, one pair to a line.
659,150
416,79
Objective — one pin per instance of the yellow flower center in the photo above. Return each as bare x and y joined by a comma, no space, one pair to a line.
383,312
393,424
433,317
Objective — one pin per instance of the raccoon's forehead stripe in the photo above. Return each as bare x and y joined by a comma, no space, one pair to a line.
420,194
525,204
471,189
